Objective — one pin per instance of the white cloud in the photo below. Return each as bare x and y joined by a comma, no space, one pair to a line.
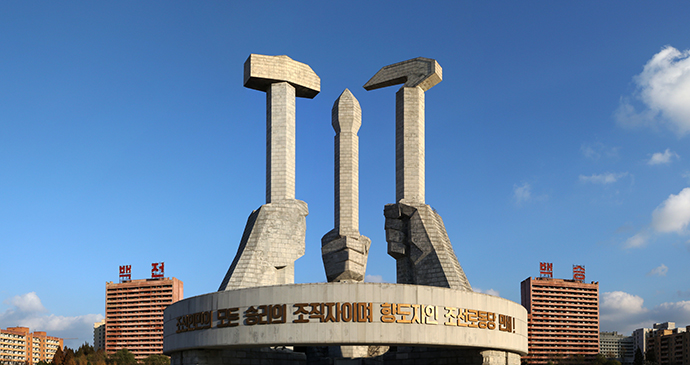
623,312
28,311
595,151
488,291
618,303
678,312
29,302
373,278
673,215
662,158
638,240
607,178
658,271
663,88
522,193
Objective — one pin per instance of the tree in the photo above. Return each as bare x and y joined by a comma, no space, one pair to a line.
157,359
59,357
639,357
84,350
69,357
123,357
600,359
97,358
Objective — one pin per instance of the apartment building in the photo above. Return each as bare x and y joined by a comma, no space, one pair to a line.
18,345
563,318
670,346
617,346
134,314
99,335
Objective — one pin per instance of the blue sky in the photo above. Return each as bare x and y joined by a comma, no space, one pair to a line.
559,134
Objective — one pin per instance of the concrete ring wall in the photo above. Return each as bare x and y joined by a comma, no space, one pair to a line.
224,319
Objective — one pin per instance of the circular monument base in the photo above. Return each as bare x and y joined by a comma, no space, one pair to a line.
410,319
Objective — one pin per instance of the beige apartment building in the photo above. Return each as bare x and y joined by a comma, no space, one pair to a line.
134,314
18,345
562,316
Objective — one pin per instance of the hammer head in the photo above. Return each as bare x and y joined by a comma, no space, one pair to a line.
260,71
420,71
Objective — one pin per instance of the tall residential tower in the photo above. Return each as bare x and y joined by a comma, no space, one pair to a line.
562,315
134,314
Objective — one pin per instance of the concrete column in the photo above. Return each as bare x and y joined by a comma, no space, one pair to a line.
280,142
409,145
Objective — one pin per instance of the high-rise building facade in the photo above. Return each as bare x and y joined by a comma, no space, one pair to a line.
562,316
614,345
670,346
641,336
20,346
134,314
99,335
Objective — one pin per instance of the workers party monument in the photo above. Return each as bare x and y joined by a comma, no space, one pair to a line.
259,315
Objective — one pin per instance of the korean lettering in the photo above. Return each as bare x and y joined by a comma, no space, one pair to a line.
228,317
301,312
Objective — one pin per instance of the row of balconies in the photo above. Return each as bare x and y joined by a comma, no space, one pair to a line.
569,346
573,301
134,299
138,344
112,301
5,346
542,323
137,309
130,324
146,294
156,332
555,312
563,288
14,341
121,313
136,291
581,332
565,310
132,330
561,293
562,338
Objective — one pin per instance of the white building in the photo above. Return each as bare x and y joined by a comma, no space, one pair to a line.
616,346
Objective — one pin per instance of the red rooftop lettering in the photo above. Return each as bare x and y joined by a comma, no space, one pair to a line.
125,273
579,273
157,270
546,269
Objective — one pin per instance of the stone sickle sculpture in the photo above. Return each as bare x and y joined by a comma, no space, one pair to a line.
415,233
